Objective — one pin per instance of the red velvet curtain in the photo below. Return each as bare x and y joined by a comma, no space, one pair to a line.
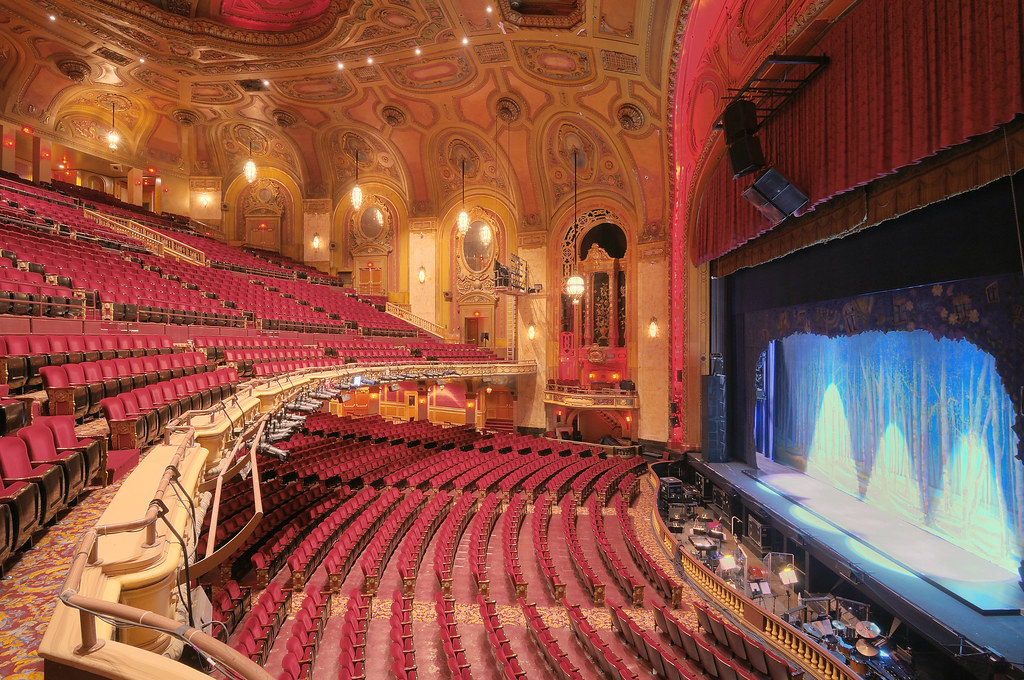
906,79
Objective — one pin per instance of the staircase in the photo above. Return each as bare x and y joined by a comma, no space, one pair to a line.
499,425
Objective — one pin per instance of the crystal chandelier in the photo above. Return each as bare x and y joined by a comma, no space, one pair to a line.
357,193
463,216
112,136
250,167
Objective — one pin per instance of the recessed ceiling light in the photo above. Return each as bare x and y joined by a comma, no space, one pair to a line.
369,60
418,51
141,60
266,83
465,41
489,9
340,65
53,17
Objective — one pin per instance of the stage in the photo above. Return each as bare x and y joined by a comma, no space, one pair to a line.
936,587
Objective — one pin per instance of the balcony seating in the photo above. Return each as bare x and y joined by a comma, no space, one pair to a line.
23,503
42,449
16,466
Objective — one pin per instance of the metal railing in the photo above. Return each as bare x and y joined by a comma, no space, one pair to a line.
155,241
421,323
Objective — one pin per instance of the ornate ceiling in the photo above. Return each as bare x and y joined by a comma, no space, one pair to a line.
307,82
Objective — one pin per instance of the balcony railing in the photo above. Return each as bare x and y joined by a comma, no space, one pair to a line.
155,241
421,323
575,396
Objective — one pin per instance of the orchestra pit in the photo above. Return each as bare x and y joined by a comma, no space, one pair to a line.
502,339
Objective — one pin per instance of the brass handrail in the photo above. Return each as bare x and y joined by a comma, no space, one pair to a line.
421,323
156,241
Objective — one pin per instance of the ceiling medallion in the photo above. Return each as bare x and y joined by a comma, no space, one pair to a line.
284,119
630,117
393,116
186,117
508,110
75,69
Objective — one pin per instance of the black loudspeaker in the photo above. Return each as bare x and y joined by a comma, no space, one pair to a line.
713,410
739,119
627,385
774,196
745,156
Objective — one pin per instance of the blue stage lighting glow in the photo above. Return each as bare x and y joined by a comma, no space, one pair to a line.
876,558
919,427
809,519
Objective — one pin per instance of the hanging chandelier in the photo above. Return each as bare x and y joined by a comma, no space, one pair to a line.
463,216
575,285
112,137
250,167
357,193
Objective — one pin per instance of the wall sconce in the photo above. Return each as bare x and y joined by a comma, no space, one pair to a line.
531,332
204,199
422,275
652,329
423,400
489,390
629,419
316,241
469,403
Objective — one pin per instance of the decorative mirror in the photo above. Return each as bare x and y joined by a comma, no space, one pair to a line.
371,223
478,246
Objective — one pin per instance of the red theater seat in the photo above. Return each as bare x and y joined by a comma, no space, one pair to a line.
42,449
15,466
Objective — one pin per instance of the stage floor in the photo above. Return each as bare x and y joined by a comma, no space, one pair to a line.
963,592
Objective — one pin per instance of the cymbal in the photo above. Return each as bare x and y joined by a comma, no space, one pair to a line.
866,648
869,630
838,626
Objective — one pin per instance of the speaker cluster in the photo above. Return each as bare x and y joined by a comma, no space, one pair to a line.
771,193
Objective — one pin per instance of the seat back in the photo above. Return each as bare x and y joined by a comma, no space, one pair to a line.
63,430
39,442
17,345
113,409
39,344
92,371
143,399
14,461
131,404
136,365
54,376
74,373
58,343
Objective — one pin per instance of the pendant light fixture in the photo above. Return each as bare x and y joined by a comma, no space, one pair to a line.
574,285
250,167
357,192
463,216
112,136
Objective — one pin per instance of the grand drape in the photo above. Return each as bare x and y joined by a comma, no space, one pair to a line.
906,79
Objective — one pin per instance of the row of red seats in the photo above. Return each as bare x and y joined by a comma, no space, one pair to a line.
504,655
537,482
312,550
557,659
138,417
230,605
630,586
729,647
666,583
28,293
584,572
43,470
608,481
410,555
24,355
78,389
608,661
448,537
403,655
352,659
541,520
272,368
583,485
649,648
483,524
264,622
512,523
354,539
270,556
451,641
304,641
